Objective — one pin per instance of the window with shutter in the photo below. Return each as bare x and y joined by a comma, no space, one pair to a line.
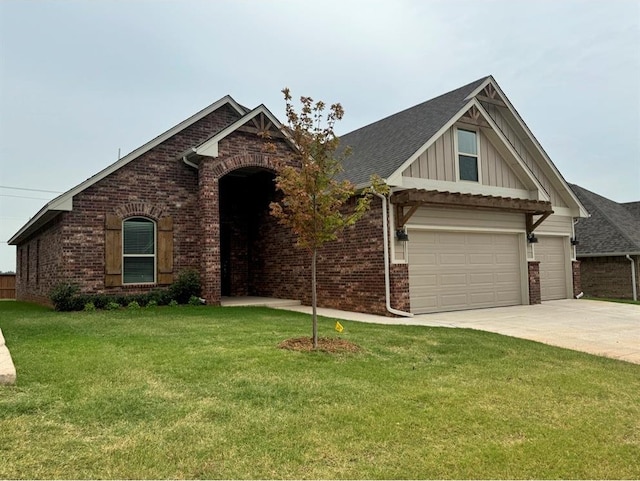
138,251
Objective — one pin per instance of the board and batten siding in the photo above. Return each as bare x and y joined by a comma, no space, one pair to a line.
511,134
438,163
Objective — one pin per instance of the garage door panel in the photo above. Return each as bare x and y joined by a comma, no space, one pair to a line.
481,278
550,251
452,279
468,270
481,259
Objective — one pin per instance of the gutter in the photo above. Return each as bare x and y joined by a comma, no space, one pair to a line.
185,158
387,282
633,276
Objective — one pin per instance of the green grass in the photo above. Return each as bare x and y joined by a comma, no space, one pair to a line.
203,392
612,299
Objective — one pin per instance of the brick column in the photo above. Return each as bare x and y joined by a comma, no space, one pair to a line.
534,282
208,197
577,280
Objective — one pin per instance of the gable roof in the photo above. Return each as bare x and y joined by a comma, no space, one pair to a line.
381,147
612,229
64,202
388,146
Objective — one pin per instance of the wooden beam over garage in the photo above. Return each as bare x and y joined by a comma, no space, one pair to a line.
415,198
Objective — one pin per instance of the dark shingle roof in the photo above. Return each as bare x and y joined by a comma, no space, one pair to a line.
611,229
381,147
633,207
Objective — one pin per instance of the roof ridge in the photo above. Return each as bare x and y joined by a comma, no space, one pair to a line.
611,221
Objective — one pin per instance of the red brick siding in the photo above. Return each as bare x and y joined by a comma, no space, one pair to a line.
608,276
266,262
577,280
158,182
534,282
45,268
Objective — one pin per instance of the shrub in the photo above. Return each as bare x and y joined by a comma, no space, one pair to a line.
187,285
63,296
112,306
173,303
152,303
89,307
133,305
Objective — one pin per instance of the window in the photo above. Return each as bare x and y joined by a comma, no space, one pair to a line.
139,251
468,155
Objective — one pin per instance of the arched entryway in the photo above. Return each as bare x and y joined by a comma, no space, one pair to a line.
245,225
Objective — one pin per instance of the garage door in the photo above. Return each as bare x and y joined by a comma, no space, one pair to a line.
451,271
553,268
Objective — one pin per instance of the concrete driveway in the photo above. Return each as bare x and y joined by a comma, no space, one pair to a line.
603,328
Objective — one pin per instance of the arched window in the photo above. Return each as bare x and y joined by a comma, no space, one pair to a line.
138,251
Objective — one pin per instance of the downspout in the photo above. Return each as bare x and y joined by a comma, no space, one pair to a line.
633,277
387,281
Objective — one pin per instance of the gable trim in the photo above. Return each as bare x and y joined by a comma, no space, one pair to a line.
582,211
64,202
396,178
209,148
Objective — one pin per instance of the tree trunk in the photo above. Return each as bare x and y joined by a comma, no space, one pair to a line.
314,298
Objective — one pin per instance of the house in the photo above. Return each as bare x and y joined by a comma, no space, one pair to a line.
609,246
487,215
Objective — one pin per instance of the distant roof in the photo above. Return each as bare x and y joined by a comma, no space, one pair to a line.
381,147
612,229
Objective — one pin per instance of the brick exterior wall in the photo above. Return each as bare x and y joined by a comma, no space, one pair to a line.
609,276
534,282
577,280
211,228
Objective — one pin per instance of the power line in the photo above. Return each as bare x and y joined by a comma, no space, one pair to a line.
24,197
30,190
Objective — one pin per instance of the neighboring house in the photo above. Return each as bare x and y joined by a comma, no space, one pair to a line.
470,186
609,246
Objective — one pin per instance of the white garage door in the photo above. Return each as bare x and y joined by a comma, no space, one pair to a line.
553,268
451,271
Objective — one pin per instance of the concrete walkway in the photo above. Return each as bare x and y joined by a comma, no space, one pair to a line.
7,369
603,328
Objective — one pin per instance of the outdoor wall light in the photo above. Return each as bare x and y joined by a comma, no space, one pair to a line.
531,238
574,241
401,235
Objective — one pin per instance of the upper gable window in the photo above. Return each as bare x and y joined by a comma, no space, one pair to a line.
468,155
139,251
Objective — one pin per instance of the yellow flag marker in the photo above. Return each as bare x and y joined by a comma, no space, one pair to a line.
339,327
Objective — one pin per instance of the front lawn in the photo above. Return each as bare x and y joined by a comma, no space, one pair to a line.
203,392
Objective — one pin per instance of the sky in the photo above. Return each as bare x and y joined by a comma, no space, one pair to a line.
81,81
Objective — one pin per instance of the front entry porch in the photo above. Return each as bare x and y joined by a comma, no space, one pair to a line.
255,301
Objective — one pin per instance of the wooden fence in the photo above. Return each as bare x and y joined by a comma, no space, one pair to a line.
7,286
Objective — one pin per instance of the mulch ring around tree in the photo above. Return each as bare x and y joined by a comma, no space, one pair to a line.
325,344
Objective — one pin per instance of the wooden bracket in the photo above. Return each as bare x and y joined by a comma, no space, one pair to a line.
401,217
531,226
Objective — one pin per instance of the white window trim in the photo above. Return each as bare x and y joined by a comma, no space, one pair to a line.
154,255
458,153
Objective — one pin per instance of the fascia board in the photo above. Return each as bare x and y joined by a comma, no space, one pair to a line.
396,177
610,254
514,153
550,165
64,202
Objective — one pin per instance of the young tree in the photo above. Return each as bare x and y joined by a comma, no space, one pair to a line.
313,203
